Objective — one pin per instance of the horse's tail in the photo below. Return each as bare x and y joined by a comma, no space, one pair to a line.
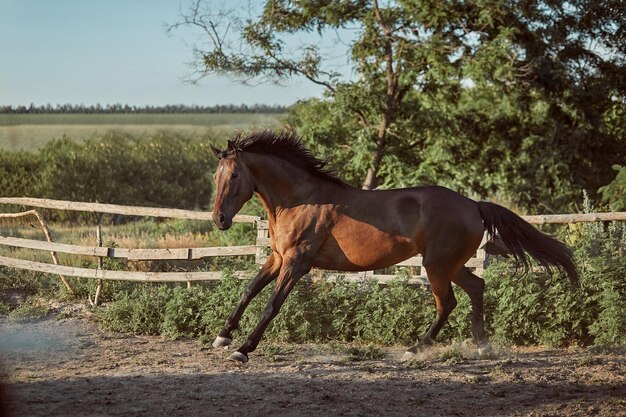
523,239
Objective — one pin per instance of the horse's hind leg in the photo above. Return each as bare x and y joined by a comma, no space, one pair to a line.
475,288
446,302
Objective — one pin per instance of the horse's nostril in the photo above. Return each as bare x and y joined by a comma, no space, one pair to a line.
221,218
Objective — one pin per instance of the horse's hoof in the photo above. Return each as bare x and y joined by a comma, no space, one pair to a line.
239,357
221,342
485,349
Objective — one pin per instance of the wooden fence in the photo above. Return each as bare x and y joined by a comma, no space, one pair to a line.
259,249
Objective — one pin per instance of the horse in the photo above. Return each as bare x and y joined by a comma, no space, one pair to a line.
318,221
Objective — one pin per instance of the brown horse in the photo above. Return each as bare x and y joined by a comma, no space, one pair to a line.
318,221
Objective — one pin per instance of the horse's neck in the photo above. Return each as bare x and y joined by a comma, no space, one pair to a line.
280,184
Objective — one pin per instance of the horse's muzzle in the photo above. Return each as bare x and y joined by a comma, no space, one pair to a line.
221,221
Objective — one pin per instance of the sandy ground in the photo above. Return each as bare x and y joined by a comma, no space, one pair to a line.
69,367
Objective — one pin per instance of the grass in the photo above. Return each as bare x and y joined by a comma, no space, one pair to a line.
32,131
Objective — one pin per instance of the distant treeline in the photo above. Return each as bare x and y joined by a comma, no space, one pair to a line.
125,108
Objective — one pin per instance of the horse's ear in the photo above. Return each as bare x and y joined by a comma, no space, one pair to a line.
217,152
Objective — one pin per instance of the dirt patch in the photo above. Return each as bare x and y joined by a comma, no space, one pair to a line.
69,367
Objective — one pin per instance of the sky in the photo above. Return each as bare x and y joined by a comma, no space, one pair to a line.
112,51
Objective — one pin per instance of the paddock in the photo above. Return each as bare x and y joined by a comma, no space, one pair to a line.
61,367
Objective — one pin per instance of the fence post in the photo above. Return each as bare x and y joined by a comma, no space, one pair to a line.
482,255
100,281
262,240
55,258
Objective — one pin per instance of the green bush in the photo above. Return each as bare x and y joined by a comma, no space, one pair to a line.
29,310
184,312
30,282
164,170
140,311
540,308
614,193
394,313
20,174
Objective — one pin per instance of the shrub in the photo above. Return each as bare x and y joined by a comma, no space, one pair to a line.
614,193
29,310
140,311
540,308
184,312
20,174
165,170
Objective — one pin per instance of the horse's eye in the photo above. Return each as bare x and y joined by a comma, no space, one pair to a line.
235,174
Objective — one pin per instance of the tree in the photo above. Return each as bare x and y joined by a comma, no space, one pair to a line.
388,56
554,103
512,98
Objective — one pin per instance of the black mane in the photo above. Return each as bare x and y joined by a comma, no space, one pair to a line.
284,145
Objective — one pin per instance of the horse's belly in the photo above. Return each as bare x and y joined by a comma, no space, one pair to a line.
364,249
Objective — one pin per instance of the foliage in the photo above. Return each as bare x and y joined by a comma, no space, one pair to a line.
546,309
394,313
183,313
140,311
165,170
30,282
4,308
20,174
614,193
520,101
29,310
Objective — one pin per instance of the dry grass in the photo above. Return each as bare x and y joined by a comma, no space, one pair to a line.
184,240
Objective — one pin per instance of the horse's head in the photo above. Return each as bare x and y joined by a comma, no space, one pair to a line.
234,185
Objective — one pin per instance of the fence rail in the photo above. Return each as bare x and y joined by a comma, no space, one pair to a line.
576,218
259,250
118,209
113,275
131,254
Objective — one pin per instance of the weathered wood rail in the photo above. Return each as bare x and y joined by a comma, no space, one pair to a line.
259,250
130,254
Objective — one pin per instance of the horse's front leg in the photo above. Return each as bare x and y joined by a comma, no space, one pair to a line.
266,275
292,269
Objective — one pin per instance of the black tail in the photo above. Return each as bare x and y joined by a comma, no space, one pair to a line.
523,240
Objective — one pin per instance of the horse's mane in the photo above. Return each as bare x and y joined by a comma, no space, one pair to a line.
284,145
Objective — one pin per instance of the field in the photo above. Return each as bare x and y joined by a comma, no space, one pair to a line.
66,366
32,131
